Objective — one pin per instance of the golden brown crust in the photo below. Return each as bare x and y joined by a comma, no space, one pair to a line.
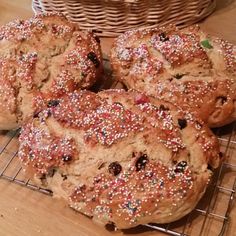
133,159
42,58
186,67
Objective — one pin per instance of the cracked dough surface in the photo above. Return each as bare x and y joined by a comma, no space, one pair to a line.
40,59
187,67
120,157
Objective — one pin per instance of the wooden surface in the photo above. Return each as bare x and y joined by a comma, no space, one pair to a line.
27,213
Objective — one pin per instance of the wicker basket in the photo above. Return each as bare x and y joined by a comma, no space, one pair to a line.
112,17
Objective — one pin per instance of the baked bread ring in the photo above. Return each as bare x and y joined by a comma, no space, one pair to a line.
42,58
186,67
120,157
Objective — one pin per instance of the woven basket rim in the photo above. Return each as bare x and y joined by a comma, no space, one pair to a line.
113,17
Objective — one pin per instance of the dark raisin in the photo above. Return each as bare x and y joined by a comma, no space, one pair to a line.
66,158
31,156
114,168
64,177
49,113
21,22
180,167
172,175
209,167
93,199
182,123
51,172
92,57
163,108
83,75
97,180
163,37
43,177
54,29
36,114
141,162
198,125
222,99
162,183
53,103
178,76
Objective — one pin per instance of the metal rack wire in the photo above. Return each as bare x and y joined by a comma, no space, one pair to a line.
10,168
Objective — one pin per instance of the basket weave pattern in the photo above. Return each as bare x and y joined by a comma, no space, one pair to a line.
112,17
